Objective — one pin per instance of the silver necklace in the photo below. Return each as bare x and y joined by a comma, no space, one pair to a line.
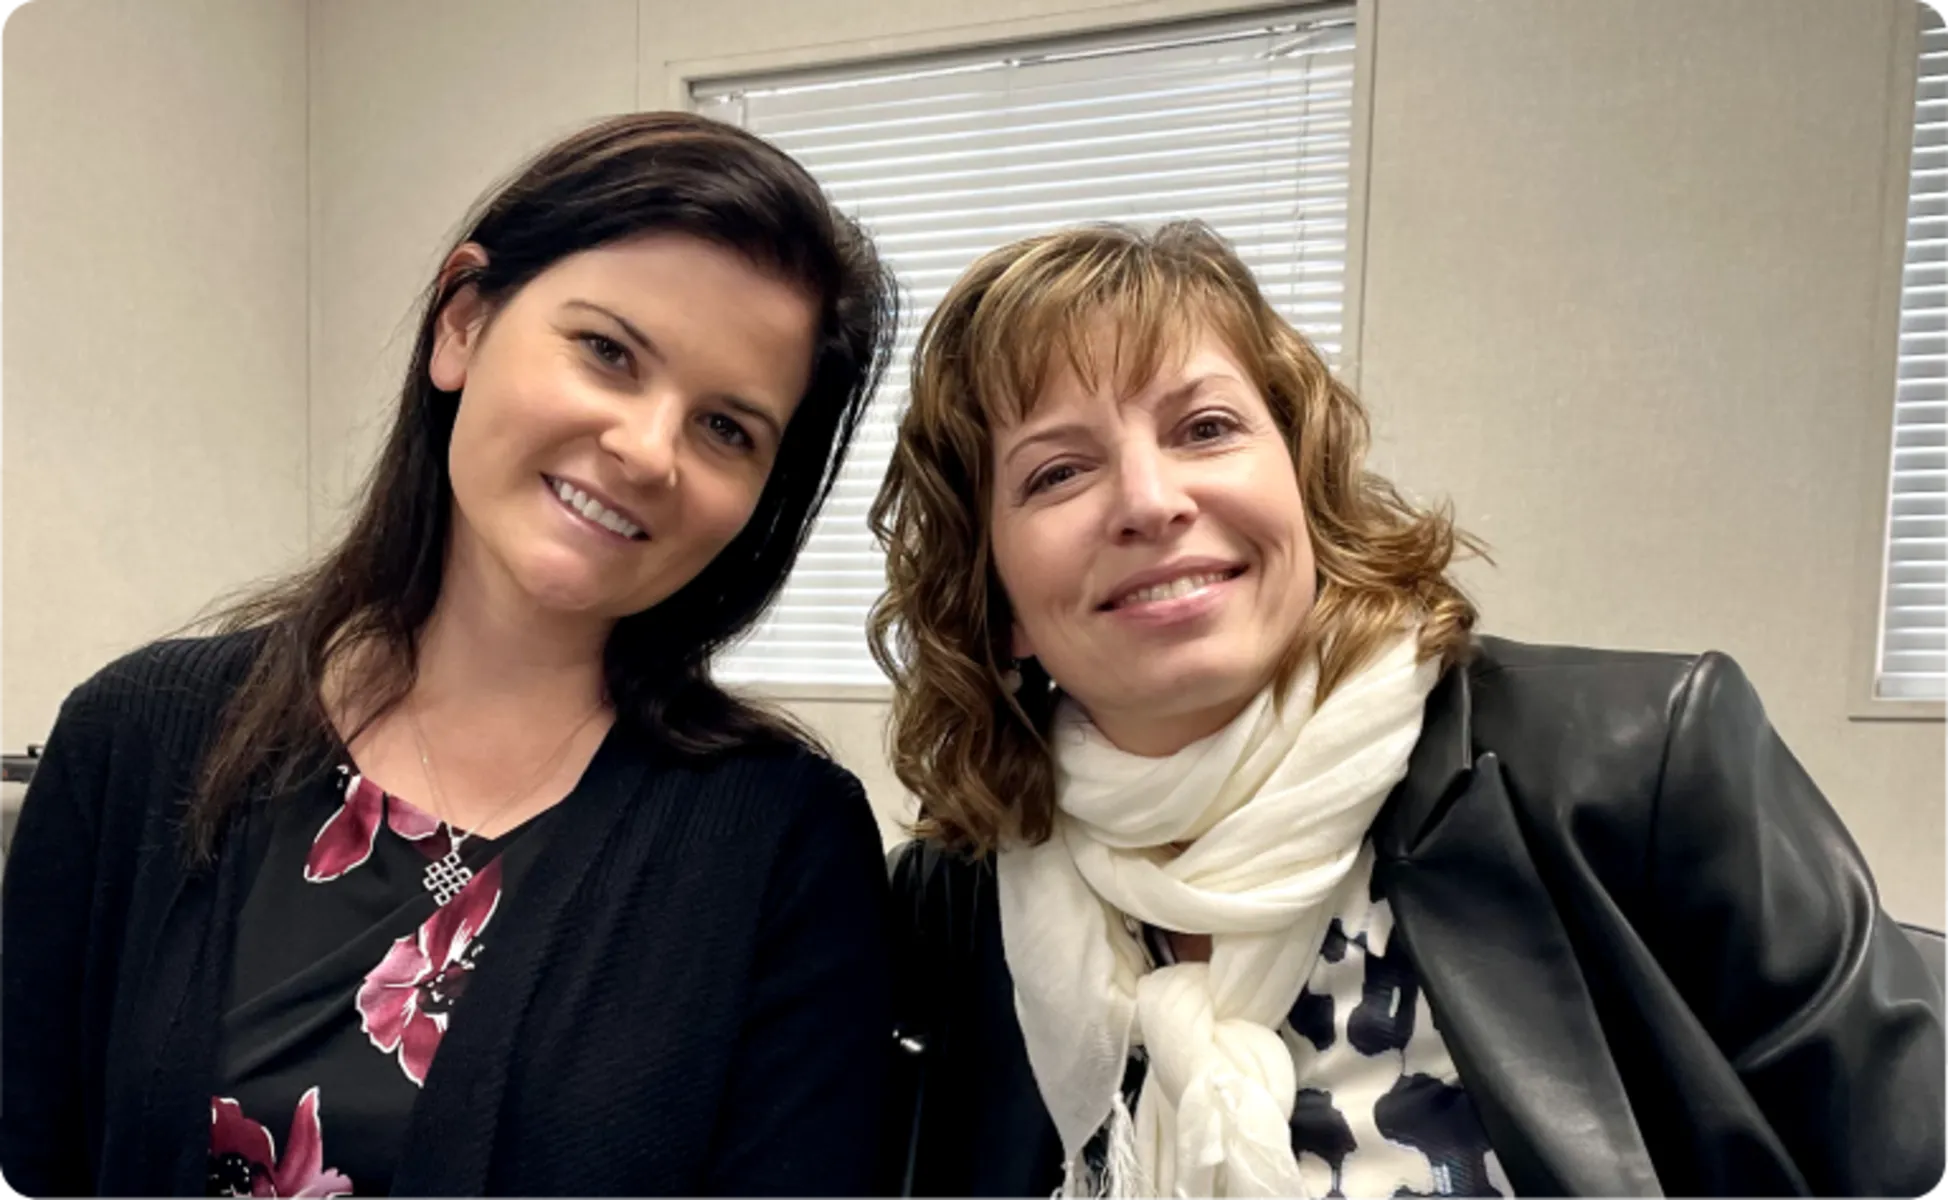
447,876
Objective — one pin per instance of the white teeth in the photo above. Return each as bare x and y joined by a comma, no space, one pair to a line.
593,509
1172,590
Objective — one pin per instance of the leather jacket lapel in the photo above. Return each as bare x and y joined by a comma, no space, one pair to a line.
1500,973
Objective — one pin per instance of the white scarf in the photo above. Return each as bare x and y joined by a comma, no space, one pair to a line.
1274,807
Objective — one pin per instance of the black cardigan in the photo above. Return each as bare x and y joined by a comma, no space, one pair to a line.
1655,955
688,994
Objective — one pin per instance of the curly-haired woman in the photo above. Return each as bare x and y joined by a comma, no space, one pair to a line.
1301,886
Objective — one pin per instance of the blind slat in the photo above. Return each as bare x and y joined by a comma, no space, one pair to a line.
1245,123
1913,657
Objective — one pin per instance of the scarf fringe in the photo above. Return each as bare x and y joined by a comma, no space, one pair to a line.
1122,1175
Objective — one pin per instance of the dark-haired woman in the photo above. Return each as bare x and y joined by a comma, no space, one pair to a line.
445,869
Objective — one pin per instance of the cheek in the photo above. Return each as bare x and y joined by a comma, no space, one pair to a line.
1041,570
720,506
466,456
488,430
1293,529
1278,505
1299,530
1265,506
1015,575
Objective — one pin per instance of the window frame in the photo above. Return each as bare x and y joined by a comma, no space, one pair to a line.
684,75
1870,571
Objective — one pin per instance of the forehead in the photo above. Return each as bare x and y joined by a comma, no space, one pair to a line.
728,325
652,261
1116,367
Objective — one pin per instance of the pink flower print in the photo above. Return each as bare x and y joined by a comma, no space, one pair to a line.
243,1158
345,839
404,1002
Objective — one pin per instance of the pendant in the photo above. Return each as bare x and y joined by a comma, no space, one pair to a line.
446,877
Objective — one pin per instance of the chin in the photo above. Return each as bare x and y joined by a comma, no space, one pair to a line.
1194,697
1203,680
568,603
561,588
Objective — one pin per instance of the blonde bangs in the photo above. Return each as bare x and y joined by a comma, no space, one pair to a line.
1104,308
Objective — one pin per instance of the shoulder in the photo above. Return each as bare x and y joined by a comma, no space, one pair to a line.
1499,663
942,898
122,749
1529,701
177,686
799,823
195,668
780,779
920,868
1585,738
1593,745
759,798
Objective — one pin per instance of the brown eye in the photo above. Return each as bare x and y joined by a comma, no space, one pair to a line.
728,431
1059,473
607,350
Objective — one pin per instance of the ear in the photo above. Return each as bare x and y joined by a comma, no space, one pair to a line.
456,330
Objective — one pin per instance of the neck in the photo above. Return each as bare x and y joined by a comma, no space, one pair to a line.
1153,735
487,648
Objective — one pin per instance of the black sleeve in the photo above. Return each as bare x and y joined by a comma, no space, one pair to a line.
802,1111
46,912
1824,1008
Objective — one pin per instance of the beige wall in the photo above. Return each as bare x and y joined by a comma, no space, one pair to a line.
154,405
1621,266
416,109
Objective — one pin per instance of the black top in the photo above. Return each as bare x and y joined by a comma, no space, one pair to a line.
360,931
1658,959
686,993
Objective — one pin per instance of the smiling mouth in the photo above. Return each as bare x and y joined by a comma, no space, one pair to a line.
593,511
1176,589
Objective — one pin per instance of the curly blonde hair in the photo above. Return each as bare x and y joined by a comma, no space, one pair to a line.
973,751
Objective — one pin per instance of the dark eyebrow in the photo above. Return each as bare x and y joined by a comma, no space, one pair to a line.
750,408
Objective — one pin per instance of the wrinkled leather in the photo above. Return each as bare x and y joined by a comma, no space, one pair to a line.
1656,956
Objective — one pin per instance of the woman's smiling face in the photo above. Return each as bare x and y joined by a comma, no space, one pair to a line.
1153,545
618,418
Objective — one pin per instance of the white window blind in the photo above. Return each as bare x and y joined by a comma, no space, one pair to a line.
1245,123
1914,612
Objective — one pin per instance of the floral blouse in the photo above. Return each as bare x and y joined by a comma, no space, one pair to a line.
359,933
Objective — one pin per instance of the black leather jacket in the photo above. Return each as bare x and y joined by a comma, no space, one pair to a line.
1658,960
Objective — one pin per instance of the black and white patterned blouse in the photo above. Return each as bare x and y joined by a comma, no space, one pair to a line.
1380,1109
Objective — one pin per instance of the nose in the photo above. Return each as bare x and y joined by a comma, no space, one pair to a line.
645,439
1150,497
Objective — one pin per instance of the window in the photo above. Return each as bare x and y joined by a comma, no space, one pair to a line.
1913,658
1245,123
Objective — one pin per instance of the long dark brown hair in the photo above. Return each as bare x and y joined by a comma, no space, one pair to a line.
367,599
